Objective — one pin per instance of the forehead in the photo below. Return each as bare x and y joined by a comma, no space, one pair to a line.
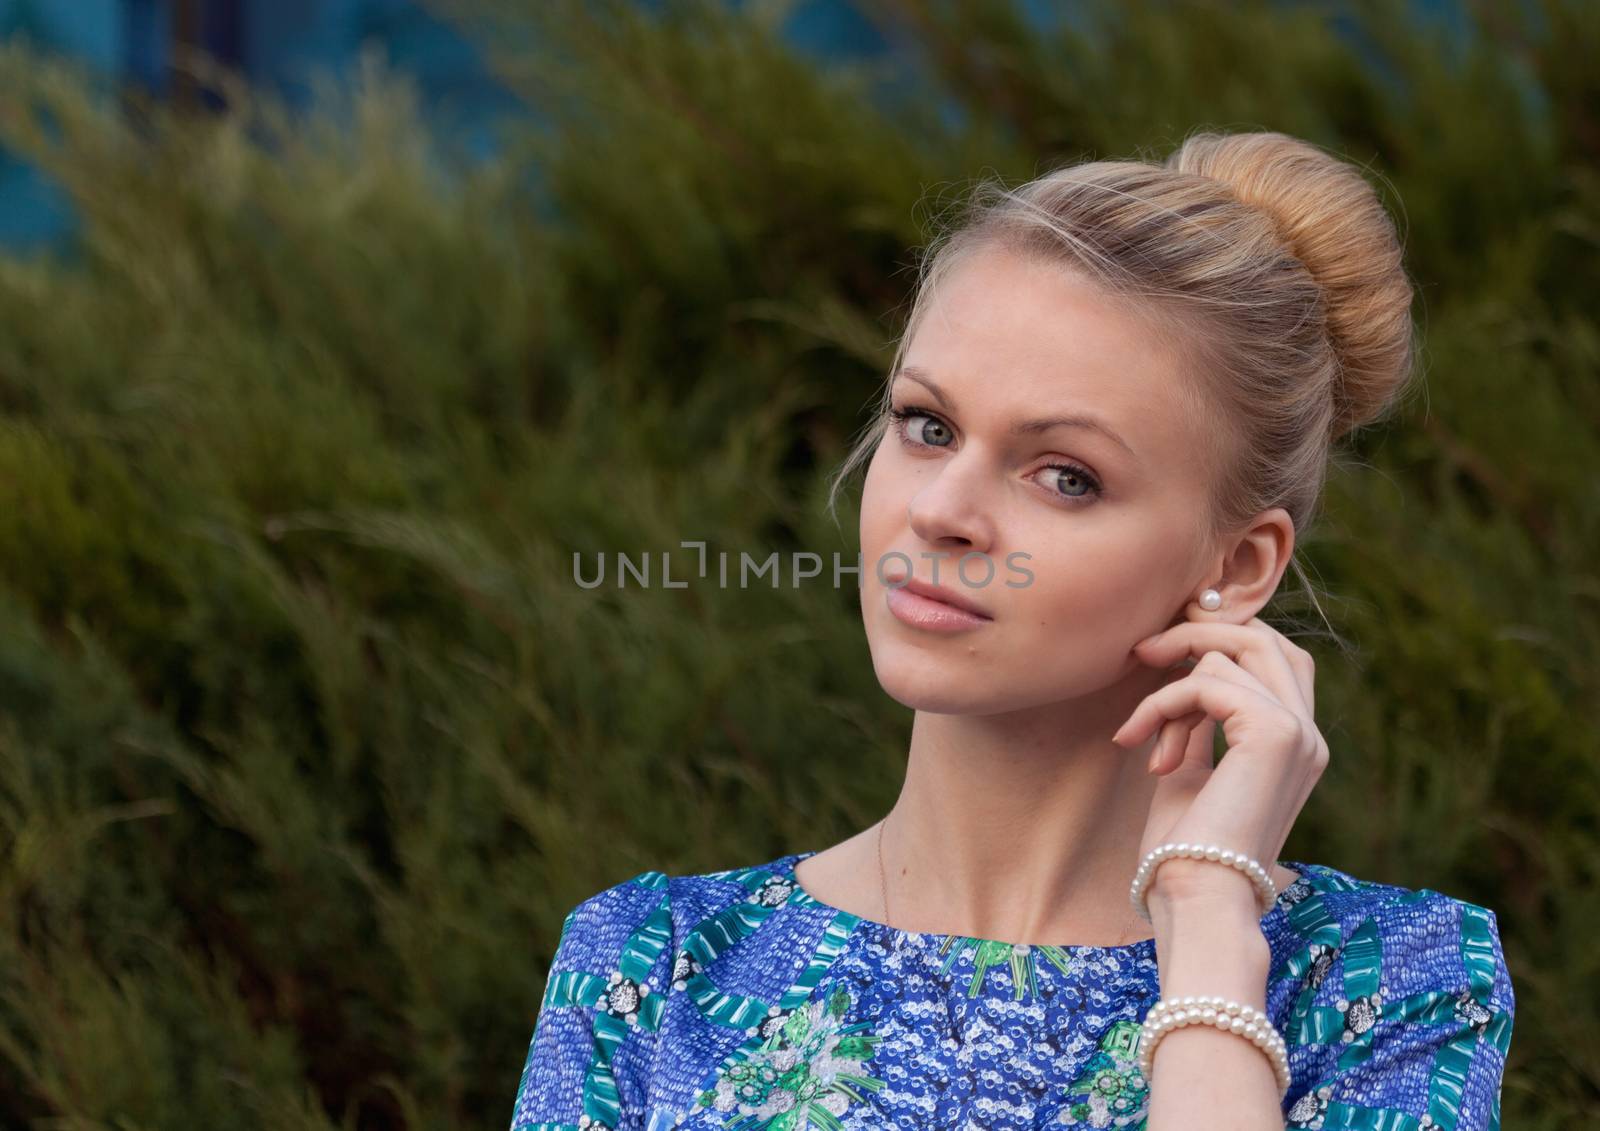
1014,334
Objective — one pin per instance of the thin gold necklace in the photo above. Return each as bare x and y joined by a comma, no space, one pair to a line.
883,884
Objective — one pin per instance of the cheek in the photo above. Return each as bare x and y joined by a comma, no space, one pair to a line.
879,505
1104,573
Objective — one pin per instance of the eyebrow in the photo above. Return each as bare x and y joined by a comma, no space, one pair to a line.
1023,427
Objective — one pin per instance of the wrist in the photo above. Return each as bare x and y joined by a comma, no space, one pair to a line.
1185,879
1211,944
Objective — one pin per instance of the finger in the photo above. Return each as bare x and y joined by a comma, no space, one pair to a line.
1172,746
1218,665
1223,666
1172,733
1222,699
1172,749
1303,663
1254,647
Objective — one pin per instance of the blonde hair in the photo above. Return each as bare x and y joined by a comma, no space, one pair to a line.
1271,264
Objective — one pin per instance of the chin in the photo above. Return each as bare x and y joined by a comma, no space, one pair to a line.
947,677
935,700
943,686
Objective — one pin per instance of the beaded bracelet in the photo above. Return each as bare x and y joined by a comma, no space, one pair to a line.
1153,859
1223,1013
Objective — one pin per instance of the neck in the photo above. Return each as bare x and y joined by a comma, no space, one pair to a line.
1023,827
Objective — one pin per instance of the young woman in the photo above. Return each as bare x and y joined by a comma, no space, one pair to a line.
1108,419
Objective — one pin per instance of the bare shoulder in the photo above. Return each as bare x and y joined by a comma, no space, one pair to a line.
838,875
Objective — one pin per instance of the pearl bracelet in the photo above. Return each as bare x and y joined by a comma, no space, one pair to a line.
1223,1013
1153,859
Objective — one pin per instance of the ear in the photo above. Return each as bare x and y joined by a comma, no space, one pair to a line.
1253,565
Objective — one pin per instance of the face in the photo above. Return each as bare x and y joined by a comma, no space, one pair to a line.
1107,530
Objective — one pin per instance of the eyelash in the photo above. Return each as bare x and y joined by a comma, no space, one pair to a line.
900,417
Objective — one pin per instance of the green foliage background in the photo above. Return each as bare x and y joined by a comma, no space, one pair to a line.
309,741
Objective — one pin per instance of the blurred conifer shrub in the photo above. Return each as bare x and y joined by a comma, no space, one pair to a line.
308,738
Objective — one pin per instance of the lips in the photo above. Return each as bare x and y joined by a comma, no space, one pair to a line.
946,595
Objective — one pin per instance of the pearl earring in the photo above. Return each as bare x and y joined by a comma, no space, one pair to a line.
1211,600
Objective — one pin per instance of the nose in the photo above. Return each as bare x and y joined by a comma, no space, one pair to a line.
952,508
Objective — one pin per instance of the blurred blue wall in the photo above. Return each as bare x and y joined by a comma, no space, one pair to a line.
280,44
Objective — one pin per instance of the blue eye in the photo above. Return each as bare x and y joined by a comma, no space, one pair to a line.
1072,473
1068,474
903,417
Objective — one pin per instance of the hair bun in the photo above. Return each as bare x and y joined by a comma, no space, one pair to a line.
1330,218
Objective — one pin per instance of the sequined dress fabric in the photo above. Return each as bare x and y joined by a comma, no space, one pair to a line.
734,1000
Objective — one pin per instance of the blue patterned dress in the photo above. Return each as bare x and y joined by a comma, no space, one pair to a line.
734,1000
